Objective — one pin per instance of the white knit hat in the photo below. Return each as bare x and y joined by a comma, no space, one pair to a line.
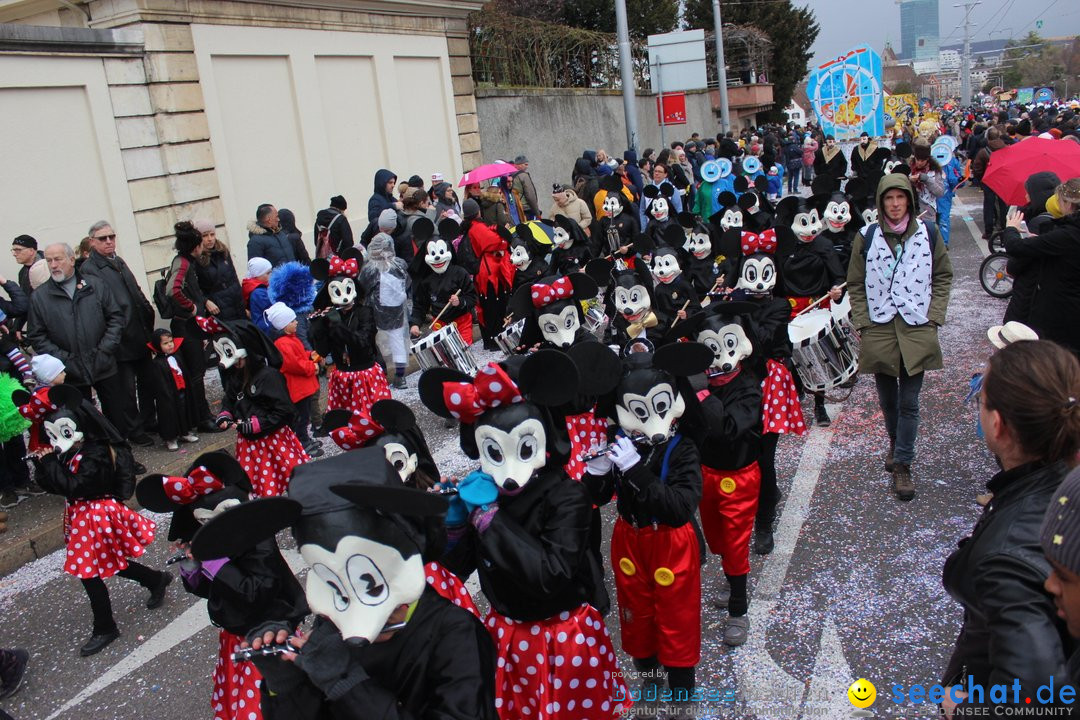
257,267
279,315
46,368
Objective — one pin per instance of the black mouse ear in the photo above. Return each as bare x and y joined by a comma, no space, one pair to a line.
741,184
600,270
396,500
683,359
857,188
334,419
430,388
352,253
423,230
241,528
504,233
902,169
667,190
20,397
65,396
686,219
394,416
787,209
651,191
822,184
520,304
674,235
747,201
598,367
224,467
585,288
611,183
687,328
320,269
548,377
761,183
448,229
150,492
726,198
644,245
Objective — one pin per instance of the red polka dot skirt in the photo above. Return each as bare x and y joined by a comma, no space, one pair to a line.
585,430
236,685
102,535
781,411
450,587
269,461
357,390
556,669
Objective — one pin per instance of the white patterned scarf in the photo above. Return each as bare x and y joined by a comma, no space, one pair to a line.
900,282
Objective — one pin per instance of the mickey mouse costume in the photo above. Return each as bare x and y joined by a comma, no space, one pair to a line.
384,644
437,277
527,537
91,466
343,327
242,591
527,257
255,400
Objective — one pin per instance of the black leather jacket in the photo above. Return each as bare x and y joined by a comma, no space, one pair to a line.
1011,629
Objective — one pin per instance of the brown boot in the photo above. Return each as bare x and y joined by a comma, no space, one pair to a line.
889,456
903,485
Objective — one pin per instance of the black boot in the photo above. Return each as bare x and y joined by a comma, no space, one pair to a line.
763,539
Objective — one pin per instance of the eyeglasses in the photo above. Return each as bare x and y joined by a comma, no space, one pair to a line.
104,237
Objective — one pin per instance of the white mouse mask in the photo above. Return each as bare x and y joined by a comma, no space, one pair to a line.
519,256
63,433
227,351
729,345
660,208
342,291
437,256
559,328
205,515
632,302
869,216
698,244
651,412
665,267
806,225
512,457
732,218
612,205
360,584
891,165
758,275
403,459
562,239
837,215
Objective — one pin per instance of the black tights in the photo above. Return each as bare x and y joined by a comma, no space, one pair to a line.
769,494
738,602
100,604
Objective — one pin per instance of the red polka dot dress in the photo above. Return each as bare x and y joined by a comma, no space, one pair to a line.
556,669
102,535
781,411
451,587
585,431
357,390
237,686
269,461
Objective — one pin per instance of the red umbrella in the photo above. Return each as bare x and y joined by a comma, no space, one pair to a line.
1011,165
487,172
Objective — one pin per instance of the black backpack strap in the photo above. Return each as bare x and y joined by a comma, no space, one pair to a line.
868,238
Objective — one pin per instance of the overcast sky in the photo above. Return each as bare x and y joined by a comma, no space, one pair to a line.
847,23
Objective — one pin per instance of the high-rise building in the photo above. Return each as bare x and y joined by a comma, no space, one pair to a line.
919,35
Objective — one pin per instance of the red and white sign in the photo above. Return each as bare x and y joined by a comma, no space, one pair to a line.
671,108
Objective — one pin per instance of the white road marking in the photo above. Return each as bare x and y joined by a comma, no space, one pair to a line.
831,676
968,218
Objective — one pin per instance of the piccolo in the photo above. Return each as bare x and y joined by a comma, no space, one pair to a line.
245,654
179,557
637,438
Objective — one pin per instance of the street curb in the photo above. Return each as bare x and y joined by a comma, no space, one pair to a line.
49,536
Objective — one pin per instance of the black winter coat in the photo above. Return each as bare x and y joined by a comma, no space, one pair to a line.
811,269
255,587
1056,304
219,282
641,498
82,332
348,336
264,396
94,478
138,313
432,293
534,560
570,260
440,666
1011,629
733,417
275,247
341,237
669,298
535,270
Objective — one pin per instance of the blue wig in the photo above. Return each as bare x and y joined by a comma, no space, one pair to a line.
293,285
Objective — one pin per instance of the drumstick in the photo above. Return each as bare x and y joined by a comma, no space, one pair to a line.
447,305
817,302
716,286
684,306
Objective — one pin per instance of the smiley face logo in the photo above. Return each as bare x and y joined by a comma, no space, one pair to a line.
862,693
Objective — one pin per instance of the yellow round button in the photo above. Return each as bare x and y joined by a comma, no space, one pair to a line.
728,485
791,301
627,566
663,576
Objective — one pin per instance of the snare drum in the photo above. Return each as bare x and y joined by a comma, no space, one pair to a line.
510,339
824,348
444,348
596,321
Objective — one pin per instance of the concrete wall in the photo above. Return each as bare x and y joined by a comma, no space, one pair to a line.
552,127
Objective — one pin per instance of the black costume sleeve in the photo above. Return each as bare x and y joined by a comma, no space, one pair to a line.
728,420
550,559
93,477
421,302
675,501
601,488
271,398
768,337
837,273
359,332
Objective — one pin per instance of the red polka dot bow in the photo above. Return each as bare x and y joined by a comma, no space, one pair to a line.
359,432
339,267
186,490
764,242
491,388
38,407
543,295
210,325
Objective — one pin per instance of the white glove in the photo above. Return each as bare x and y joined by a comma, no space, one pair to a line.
624,454
600,465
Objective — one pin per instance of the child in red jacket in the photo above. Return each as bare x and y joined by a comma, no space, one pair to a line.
300,368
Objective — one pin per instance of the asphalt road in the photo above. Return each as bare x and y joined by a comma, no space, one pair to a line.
853,589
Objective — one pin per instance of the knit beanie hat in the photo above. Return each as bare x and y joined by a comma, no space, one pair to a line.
203,226
921,149
257,267
46,368
388,219
339,202
279,315
1061,525
470,208
25,241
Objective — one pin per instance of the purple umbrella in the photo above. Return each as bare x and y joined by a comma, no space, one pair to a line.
487,172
